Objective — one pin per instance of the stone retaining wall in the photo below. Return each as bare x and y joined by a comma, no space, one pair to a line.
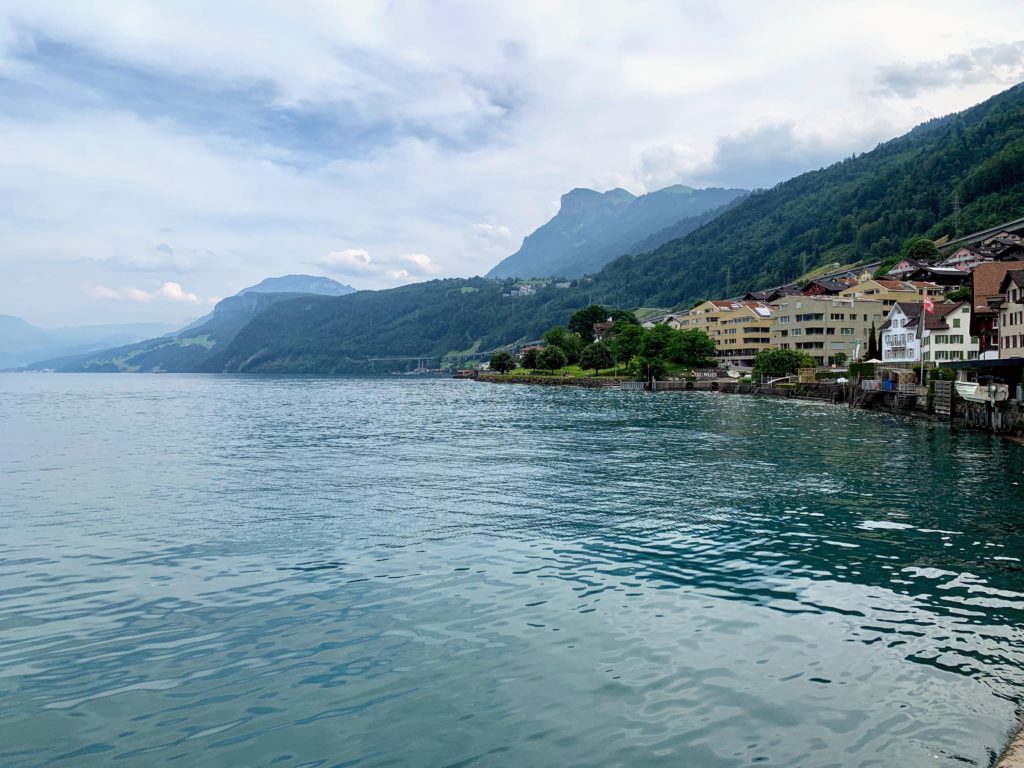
590,382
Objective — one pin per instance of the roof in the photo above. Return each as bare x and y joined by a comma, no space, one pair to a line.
833,284
985,282
942,270
1015,276
934,321
907,285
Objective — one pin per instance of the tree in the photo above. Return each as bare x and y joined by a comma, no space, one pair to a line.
623,317
963,293
691,347
656,341
872,353
840,358
530,359
919,249
628,342
502,362
781,362
582,321
552,358
569,343
596,356
648,368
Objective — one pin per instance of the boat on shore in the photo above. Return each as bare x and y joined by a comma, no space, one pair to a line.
987,389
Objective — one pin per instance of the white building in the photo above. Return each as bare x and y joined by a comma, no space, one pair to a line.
946,334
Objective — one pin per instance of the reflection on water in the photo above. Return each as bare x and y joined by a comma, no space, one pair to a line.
316,572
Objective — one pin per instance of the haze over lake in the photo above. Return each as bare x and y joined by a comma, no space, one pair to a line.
257,571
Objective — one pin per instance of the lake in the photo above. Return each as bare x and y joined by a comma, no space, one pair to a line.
285,571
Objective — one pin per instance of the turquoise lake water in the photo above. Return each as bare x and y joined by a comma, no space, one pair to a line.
256,571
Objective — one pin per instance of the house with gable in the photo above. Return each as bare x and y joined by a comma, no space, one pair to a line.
987,301
946,335
1011,315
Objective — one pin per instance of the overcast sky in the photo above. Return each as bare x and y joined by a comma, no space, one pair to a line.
155,156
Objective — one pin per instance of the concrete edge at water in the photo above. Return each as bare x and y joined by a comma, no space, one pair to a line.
1013,756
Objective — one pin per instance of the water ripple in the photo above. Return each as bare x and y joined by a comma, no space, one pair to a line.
320,572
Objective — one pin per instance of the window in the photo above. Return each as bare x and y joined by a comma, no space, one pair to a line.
846,331
837,316
956,322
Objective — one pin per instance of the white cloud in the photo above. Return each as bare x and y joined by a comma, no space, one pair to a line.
492,232
100,292
174,292
350,259
358,261
423,263
169,291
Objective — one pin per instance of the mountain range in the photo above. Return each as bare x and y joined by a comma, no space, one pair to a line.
22,343
949,176
592,228
186,349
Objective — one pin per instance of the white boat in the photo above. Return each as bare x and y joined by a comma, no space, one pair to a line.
979,392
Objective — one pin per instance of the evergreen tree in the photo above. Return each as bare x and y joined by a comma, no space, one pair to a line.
872,344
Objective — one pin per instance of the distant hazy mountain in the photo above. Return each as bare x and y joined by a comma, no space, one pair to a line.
592,228
21,342
186,349
321,286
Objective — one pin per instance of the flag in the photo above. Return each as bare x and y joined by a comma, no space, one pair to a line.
929,305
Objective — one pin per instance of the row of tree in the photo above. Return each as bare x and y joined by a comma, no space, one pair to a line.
642,352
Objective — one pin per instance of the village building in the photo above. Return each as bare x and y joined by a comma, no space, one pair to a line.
1011,315
826,326
1005,246
951,277
827,286
739,329
743,331
603,331
772,294
987,301
966,258
945,336
889,292
904,267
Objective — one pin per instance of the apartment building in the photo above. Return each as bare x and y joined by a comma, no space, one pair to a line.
740,329
825,326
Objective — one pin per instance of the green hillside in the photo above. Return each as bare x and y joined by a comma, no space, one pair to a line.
184,351
338,335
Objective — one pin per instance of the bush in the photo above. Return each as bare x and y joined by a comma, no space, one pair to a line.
861,370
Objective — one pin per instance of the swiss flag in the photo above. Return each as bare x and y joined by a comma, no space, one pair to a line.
929,305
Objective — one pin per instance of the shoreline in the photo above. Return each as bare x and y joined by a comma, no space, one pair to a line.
1013,755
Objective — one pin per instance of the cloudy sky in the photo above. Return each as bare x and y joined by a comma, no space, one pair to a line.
155,156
